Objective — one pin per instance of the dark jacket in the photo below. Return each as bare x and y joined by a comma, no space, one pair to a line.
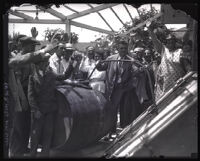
41,92
127,79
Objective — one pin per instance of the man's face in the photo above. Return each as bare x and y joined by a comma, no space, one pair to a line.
105,54
97,57
170,43
78,58
90,54
28,48
123,49
187,48
60,52
140,54
67,54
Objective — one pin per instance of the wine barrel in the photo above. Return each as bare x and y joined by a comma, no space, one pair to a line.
84,116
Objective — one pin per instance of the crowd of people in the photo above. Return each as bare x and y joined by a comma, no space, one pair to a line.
129,80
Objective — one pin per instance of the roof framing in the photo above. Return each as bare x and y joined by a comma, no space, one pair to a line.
91,28
116,15
128,11
54,13
70,8
92,10
102,18
68,19
61,22
19,14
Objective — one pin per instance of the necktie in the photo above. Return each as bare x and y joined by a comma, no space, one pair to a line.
120,65
60,67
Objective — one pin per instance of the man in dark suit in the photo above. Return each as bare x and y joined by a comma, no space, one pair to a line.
19,71
120,85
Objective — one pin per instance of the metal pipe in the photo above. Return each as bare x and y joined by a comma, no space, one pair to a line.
144,116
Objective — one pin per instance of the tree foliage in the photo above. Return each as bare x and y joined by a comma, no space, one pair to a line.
138,37
60,35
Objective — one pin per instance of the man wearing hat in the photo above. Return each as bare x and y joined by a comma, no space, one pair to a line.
19,71
172,65
97,78
106,53
69,50
59,60
88,63
42,102
120,86
139,51
14,45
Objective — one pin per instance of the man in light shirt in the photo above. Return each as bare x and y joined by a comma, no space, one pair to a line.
88,63
97,78
59,60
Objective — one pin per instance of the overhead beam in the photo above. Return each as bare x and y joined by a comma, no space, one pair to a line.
102,18
68,29
92,10
138,13
105,21
128,11
116,15
70,8
61,22
143,23
36,21
53,12
91,28
22,15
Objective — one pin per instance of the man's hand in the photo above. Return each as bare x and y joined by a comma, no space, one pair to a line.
50,48
149,25
34,32
98,64
72,61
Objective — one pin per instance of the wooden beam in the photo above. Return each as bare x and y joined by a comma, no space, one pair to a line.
128,11
143,23
102,17
68,29
70,8
138,12
116,15
105,21
151,6
19,14
54,13
36,21
61,22
92,10
91,28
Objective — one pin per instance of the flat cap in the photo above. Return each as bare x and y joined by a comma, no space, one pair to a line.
139,49
28,41
69,46
90,48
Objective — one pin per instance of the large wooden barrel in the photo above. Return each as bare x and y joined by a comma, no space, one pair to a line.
84,116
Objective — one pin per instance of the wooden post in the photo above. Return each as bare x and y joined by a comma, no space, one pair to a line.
68,29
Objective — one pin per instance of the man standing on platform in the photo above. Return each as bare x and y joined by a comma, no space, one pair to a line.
120,86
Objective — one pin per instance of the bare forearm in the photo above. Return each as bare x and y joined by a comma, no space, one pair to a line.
27,58
157,44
